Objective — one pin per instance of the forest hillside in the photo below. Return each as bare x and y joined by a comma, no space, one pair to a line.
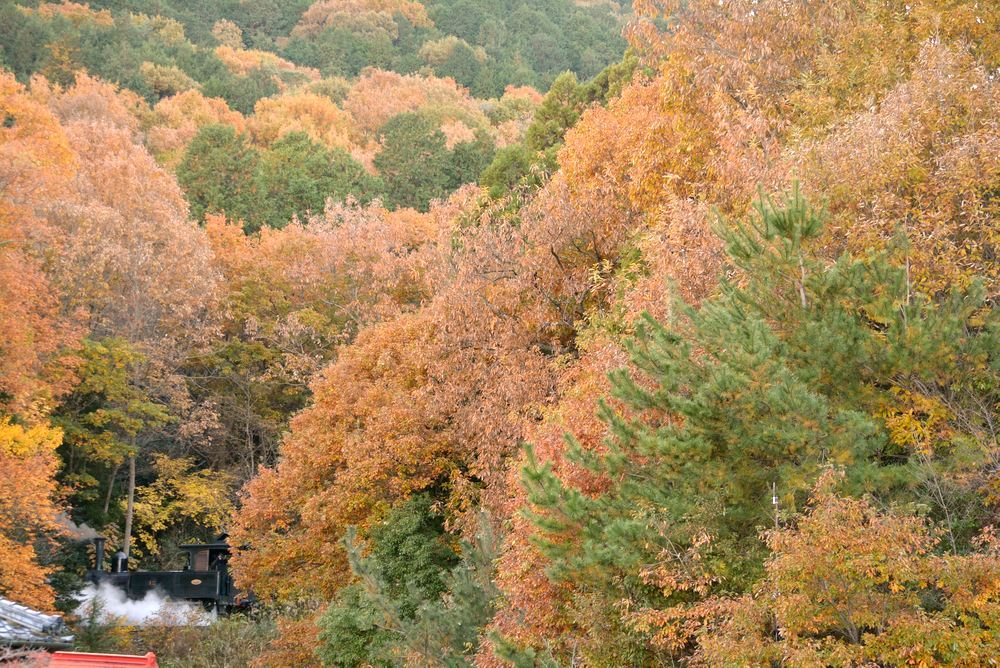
506,333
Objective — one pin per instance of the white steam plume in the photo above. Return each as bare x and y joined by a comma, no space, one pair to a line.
77,531
155,608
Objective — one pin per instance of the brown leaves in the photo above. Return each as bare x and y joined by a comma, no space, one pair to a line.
920,163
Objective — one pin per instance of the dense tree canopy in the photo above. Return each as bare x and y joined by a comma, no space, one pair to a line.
493,337
295,177
217,174
414,161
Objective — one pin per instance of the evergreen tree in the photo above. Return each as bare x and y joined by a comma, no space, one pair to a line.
462,65
414,162
242,93
470,158
558,112
296,176
407,564
217,175
798,366
511,167
378,623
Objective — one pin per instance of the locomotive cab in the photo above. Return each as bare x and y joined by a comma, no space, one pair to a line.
207,556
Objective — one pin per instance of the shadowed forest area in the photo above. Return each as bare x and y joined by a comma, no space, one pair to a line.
506,333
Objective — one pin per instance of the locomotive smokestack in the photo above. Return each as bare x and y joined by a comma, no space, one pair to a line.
99,553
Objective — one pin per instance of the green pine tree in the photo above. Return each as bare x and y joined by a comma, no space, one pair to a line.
415,163
217,175
296,175
788,371
415,597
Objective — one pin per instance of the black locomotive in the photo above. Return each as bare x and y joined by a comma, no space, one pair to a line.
205,579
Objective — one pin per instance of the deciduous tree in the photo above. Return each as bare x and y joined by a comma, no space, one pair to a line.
848,583
28,510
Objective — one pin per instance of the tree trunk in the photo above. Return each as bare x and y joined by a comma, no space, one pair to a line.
111,487
127,541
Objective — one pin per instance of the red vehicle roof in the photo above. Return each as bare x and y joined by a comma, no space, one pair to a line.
76,659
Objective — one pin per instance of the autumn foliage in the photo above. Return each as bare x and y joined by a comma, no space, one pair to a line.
849,585
702,373
361,15
28,510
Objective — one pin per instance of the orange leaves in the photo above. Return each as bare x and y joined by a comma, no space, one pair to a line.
362,263
91,100
524,93
176,120
537,607
831,570
35,161
349,455
392,416
379,95
28,511
294,646
33,330
116,239
437,397
130,257
34,152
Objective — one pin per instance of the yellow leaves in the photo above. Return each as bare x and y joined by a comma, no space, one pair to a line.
242,61
437,52
228,33
313,114
40,440
974,23
180,495
166,80
170,30
920,162
74,11
846,568
362,16
916,422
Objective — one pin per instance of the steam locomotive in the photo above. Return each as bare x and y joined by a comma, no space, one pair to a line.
205,579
